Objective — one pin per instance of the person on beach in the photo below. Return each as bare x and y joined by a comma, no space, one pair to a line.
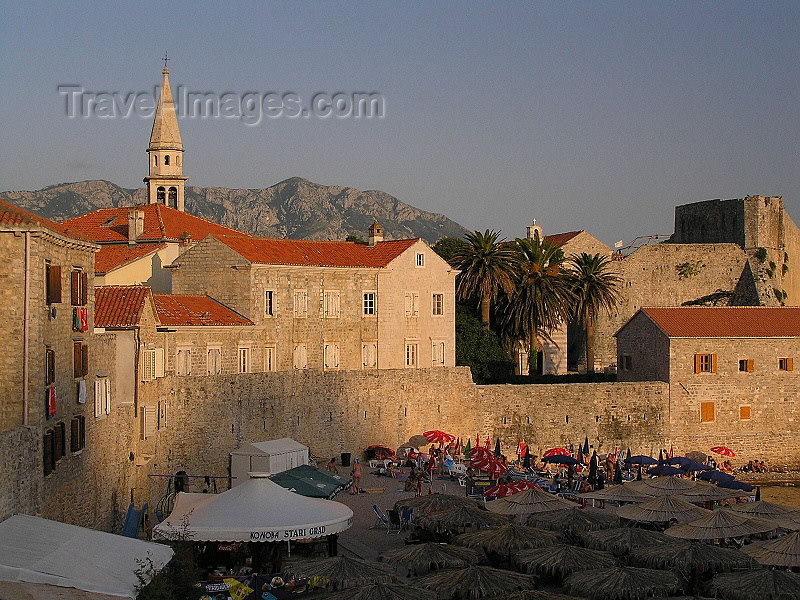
356,472
331,466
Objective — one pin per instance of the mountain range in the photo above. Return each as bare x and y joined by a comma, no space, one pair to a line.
295,208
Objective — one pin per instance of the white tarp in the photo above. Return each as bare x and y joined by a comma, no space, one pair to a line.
258,510
271,456
36,550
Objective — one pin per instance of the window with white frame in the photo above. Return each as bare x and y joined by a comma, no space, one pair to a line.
244,360
420,259
269,303
369,355
300,356
300,303
102,397
369,304
412,304
437,353
214,360
412,355
152,363
437,303
183,361
331,301
330,355
269,359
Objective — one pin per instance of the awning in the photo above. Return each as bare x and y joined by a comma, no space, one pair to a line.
40,551
311,482
258,510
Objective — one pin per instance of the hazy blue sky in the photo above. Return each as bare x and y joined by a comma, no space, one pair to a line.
585,115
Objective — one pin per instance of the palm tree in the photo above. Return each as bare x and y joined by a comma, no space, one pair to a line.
487,266
594,286
542,297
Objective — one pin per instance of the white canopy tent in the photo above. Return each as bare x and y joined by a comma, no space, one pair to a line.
40,551
272,456
258,510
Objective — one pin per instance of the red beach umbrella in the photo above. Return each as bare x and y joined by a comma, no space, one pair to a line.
496,468
482,463
488,442
554,451
457,449
438,437
723,450
504,490
479,452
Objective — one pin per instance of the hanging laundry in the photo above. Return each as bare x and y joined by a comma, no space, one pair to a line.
82,391
84,319
51,401
76,319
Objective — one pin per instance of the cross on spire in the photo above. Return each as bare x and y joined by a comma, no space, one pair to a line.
166,58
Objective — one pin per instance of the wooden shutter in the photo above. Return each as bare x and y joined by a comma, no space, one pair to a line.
744,412
74,435
706,412
697,363
53,284
77,358
84,288
50,366
149,421
84,360
790,364
75,287
713,363
47,453
750,365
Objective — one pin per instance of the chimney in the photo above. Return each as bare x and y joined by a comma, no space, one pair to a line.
375,234
135,224
534,231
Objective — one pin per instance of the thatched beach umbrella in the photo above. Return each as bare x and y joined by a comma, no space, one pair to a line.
561,560
766,510
622,540
342,571
705,492
461,517
533,595
475,582
720,524
783,552
435,502
662,509
617,493
573,520
381,591
510,538
530,501
663,486
623,583
691,556
421,558
760,584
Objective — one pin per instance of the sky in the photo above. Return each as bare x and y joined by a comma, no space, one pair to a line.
600,116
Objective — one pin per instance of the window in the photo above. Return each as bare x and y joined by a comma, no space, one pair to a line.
161,194
330,304
744,412
149,421
102,397
49,366
214,361
746,365
48,452
420,260
438,305
705,363
80,359
269,359
625,362
183,361
437,354
412,304
706,412
152,364
269,303
244,360
79,282
59,441
53,283
77,433
300,303
166,160
330,355
412,355
369,303
786,364
369,355
300,356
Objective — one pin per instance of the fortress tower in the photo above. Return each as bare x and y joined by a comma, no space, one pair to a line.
165,182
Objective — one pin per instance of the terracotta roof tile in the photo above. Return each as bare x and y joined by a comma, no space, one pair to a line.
559,239
111,256
316,253
727,321
13,215
119,305
161,223
181,309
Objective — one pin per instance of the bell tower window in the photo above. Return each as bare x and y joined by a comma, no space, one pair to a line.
161,194
155,160
166,160
173,197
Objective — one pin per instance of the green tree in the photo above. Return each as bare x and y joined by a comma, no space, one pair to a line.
447,247
480,350
594,287
540,302
487,266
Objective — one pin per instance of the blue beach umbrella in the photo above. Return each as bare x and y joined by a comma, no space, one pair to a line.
717,476
665,470
560,459
641,459
736,485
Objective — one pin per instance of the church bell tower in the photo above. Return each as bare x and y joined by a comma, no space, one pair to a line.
165,182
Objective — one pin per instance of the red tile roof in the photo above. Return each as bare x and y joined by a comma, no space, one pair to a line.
161,223
727,321
178,309
13,215
559,239
112,256
316,253
119,305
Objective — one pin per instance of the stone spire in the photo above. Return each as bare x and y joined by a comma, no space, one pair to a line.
165,182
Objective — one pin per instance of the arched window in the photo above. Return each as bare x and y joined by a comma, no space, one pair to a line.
161,194
155,160
178,160
166,160
173,197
